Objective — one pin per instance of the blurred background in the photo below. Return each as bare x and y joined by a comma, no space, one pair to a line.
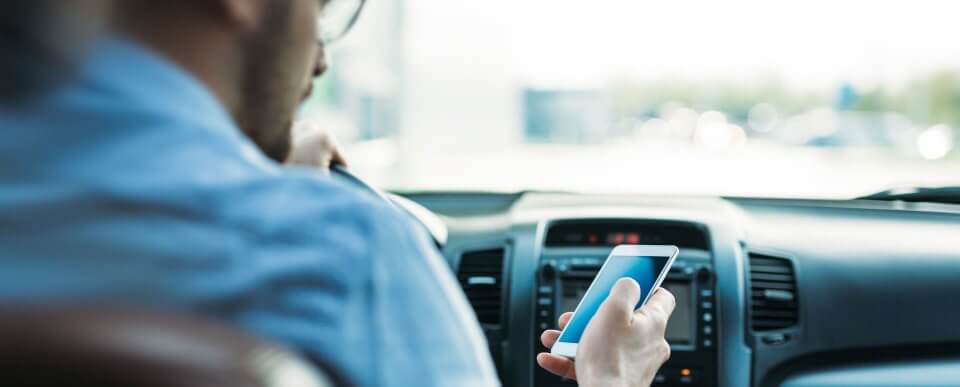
802,99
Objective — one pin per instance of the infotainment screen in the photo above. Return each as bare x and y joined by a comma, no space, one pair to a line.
679,328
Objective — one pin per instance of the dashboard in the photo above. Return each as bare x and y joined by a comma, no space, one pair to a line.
770,292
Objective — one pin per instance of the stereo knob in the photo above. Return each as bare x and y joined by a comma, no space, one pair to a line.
704,275
548,271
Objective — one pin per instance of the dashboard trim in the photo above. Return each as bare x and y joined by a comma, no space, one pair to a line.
734,358
525,237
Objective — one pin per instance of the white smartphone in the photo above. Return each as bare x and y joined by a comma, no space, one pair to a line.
647,264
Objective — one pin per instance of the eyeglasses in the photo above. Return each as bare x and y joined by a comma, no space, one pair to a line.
336,18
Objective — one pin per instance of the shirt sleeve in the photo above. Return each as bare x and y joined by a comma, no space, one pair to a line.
355,282
429,333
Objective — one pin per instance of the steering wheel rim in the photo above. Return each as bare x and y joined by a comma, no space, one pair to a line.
432,224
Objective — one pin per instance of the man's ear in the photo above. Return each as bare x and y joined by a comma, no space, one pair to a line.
243,14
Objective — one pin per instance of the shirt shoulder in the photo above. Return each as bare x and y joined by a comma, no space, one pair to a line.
299,207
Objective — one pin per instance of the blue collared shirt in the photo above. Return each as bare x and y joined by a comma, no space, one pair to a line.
133,185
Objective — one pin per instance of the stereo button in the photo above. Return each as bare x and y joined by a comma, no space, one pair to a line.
707,317
704,275
688,376
659,379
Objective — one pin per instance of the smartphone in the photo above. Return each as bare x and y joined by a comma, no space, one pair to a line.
647,264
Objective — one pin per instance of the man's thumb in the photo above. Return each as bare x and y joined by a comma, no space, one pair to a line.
620,304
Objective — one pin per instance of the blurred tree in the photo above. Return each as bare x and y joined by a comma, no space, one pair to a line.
735,99
943,98
927,101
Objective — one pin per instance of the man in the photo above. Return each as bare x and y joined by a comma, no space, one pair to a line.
136,184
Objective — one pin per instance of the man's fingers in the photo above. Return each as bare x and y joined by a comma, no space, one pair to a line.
338,159
564,320
314,147
557,365
549,337
660,305
620,304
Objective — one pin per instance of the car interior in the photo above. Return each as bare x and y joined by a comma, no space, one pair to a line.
770,292
806,164
794,153
87,345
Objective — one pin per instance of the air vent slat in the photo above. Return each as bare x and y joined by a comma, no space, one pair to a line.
764,313
786,278
760,285
762,303
481,276
771,269
767,325
761,259
773,284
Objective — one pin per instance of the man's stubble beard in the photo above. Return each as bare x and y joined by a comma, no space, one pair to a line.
269,100
266,115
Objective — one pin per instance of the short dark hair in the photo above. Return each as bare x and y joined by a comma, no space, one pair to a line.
40,42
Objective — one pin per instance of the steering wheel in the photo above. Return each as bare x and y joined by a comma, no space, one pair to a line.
432,223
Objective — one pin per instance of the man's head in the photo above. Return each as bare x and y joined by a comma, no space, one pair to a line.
257,56
41,41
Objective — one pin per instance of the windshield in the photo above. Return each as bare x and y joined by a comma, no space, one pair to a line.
806,99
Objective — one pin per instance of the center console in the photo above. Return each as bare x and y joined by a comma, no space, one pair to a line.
573,253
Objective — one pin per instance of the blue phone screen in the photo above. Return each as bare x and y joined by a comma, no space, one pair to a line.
642,269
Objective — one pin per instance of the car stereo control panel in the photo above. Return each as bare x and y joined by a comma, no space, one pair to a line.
565,272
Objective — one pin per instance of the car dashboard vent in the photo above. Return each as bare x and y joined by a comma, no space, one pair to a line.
481,276
773,293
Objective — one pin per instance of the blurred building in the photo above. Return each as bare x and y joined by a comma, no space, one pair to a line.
566,116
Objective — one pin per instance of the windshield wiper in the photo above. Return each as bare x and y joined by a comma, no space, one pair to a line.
946,195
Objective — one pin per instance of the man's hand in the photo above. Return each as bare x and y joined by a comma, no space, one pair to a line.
620,347
314,147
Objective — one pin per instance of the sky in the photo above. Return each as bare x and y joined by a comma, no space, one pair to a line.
809,44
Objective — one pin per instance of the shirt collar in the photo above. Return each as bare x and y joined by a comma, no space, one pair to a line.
122,71
145,81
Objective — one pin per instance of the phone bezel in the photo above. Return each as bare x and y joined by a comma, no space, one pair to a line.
671,252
